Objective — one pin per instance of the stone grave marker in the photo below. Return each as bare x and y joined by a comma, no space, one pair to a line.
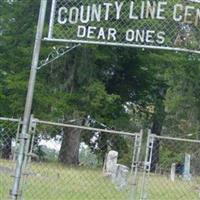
173,172
186,174
110,165
121,176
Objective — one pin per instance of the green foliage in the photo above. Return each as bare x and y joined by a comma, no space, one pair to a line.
182,98
126,89
15,53
87,158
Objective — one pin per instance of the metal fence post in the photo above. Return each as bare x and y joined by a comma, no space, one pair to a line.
147,164
17,139
29,142
33,132
135,164
29,99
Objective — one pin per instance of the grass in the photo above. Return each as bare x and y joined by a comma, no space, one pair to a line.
5,178
53,181
162,188
69,183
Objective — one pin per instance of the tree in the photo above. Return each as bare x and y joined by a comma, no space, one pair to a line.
17,36
114,86
182,99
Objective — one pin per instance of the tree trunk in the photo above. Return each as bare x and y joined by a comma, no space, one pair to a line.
156,129
69,152
6,148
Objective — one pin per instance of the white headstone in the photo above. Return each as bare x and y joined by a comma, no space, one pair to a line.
111,163
173,172
186,173
121,176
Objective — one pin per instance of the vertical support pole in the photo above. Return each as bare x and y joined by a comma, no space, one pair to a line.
135,163
29,99
17,139
34,125
147,164
51,22
27,143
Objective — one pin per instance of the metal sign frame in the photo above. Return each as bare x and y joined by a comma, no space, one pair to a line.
62,39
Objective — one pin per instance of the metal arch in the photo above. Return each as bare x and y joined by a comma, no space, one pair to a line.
55,54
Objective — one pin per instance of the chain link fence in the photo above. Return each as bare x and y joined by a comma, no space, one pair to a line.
152,24
76,162
68,161
172,169
9,133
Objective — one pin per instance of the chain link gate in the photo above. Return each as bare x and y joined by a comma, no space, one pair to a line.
46,175
171,169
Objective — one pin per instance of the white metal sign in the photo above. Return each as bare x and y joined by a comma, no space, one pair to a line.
161,24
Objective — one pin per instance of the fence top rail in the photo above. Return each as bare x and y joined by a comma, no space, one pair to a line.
10,119
174,138
86,128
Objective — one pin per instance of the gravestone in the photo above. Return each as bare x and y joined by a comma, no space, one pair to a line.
173,172
121,176
186,173
110,165
117,173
